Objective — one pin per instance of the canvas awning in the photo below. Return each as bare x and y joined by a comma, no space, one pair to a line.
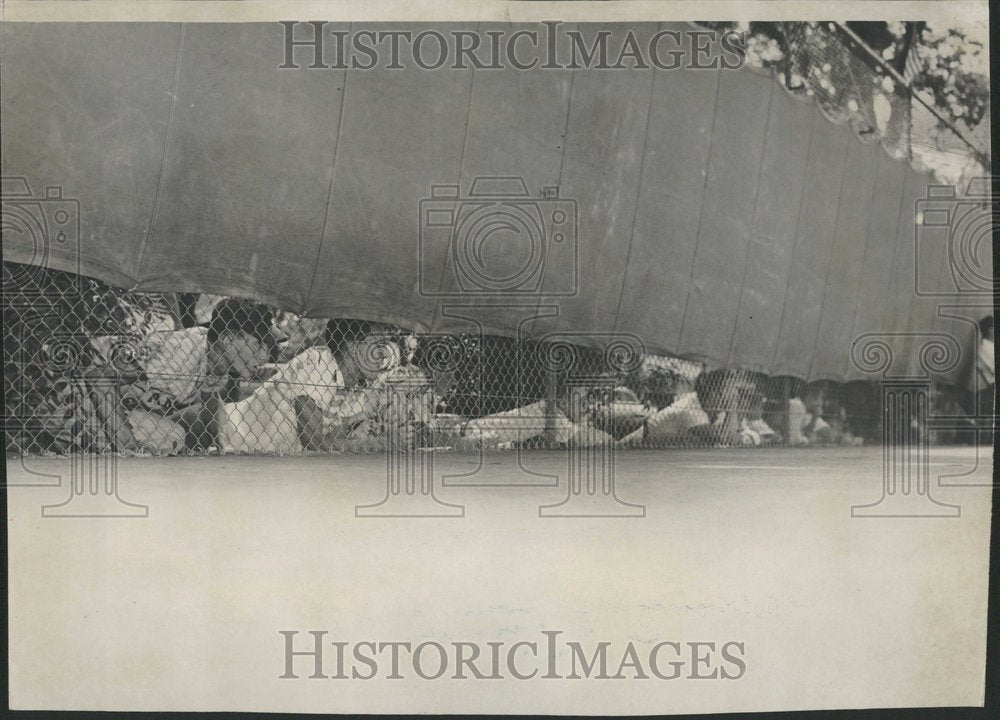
717,217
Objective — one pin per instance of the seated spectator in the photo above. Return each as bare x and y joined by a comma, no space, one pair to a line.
334,397
817,429
727,397
654,382
238,347
798,419
154,433
174,363
136,413
671,425
841,429
617,411
979,399
510,427
267,420
762,433
582,431
806,425
293,334
165,409
77,401
570,425
729,429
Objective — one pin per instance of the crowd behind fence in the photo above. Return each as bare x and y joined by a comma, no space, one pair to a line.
89,367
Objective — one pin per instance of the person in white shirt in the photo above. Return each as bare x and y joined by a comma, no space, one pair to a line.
330,397
671,424
727,396
982,384
238,342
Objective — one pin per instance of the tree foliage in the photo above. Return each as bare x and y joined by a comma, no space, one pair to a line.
948,67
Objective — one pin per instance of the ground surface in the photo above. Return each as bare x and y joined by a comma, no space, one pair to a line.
181,609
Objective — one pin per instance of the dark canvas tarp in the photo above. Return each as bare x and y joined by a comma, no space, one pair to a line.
718,217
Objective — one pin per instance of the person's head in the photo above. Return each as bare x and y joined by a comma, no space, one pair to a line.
656,386
239,337
409,344
986,327
292,333
363,350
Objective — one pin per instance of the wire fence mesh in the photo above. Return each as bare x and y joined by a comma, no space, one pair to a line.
89,367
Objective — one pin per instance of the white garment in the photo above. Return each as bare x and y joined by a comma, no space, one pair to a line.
266,420
798,419
154,433
204,307
518,424
821,430
674,420
985,372
760,427
584,434
175,361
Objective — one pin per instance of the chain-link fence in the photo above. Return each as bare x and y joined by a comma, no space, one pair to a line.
93,368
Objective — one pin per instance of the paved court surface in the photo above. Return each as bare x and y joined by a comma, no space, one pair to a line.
181,609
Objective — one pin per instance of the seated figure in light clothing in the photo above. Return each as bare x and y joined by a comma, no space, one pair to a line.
671,424
330,397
